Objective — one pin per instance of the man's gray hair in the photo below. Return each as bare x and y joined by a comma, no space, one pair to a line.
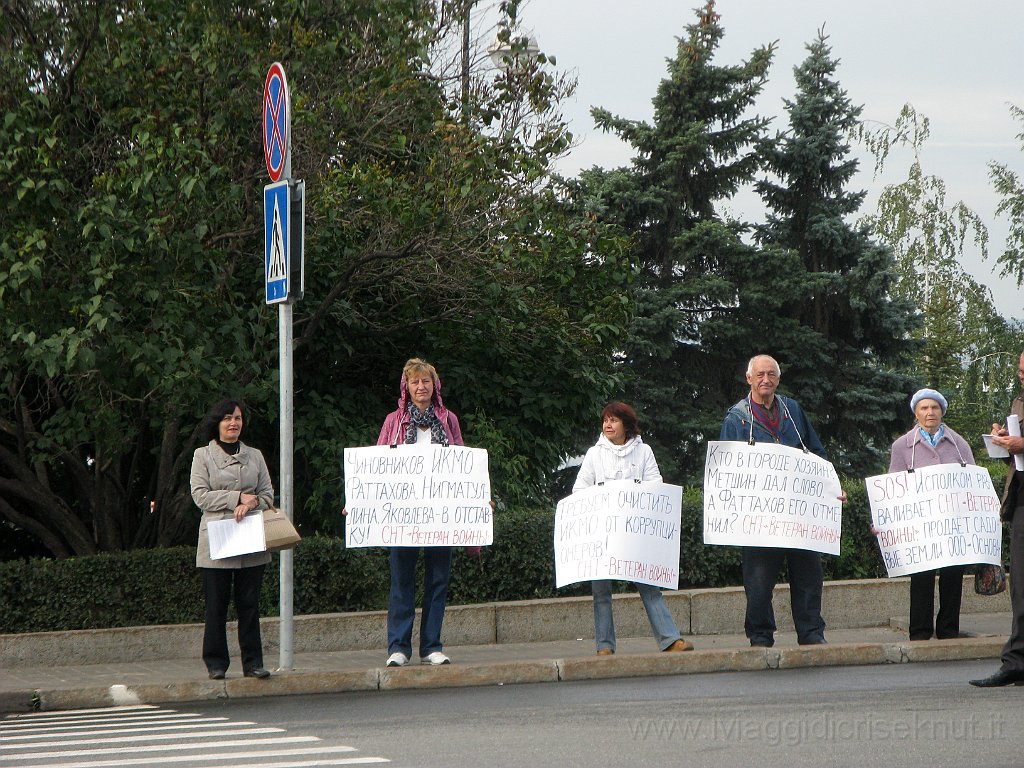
750,364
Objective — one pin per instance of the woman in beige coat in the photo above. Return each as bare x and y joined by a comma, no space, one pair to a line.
230,480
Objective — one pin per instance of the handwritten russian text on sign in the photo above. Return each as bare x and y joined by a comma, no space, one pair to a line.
768,495
934,517
619,530
417,496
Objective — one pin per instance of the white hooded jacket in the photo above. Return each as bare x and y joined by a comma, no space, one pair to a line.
633,460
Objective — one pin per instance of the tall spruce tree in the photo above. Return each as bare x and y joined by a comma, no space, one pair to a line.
844,365
693,325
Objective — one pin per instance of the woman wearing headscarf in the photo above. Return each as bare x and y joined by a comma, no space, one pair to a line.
620,454
420,418
928,443
229,481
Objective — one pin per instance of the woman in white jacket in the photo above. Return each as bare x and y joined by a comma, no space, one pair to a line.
620,454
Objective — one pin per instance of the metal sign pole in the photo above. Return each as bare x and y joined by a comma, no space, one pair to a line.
286,656
277,150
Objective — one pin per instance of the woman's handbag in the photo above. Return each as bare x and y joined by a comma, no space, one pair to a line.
989,579
278,530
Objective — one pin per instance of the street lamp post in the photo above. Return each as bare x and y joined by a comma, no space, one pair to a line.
513,52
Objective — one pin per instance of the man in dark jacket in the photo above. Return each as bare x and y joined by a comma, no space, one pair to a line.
1012,510
764,417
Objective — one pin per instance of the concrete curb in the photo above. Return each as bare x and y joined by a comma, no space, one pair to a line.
512,673
468,675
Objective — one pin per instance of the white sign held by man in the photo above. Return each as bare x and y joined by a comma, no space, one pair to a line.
769,495
935,516
417,496
620,529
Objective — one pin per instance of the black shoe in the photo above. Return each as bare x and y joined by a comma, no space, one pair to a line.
1000,678
217,674
258,672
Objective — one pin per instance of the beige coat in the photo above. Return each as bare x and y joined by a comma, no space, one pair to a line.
218,480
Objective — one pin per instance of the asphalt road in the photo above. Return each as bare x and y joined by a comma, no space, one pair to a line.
904,715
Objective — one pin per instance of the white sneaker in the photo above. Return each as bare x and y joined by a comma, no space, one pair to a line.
397,659
435,659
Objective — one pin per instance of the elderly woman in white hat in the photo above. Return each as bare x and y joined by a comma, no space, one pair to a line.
928,443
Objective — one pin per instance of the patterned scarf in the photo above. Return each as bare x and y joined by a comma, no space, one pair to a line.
427,418
769,418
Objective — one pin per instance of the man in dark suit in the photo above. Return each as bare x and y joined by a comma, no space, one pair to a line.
1011,671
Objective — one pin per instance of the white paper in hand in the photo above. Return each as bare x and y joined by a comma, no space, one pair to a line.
231,539
1013,427
994,451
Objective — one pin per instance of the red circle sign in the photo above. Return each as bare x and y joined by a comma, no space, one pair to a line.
276,121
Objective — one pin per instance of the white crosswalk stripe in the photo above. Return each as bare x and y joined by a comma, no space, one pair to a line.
118,737
4,745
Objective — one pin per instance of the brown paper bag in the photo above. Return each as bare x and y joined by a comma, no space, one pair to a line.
278,530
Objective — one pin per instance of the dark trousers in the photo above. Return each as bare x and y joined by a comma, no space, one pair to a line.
437,571
761,569
922,603
217,586
1013,651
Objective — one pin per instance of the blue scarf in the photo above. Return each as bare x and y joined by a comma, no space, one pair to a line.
933,440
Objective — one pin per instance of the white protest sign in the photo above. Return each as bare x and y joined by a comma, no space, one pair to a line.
935,516
417,496
768,495
619,530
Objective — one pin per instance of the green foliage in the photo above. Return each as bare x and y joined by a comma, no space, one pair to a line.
160,586
1011,191
859,556
328,578
967,350
131,255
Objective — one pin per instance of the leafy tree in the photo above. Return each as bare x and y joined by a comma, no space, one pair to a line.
131,258
697,293
1011,190
965,345
846,364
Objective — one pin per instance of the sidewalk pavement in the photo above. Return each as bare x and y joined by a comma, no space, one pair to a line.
53,685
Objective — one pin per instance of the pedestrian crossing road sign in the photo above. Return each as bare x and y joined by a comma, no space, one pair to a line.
277,225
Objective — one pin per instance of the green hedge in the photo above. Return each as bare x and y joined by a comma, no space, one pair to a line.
162,586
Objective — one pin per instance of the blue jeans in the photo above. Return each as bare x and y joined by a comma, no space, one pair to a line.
662,623
761,568
437,571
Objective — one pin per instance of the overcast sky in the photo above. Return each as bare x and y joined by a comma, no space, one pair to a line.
957,63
